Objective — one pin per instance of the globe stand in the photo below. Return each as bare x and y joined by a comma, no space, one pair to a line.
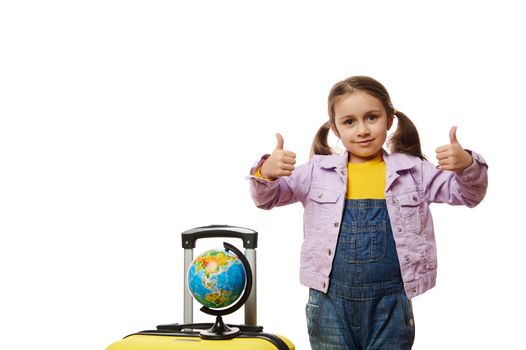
220,330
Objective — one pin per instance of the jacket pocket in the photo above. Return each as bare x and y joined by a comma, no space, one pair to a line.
411,212
320,206
324,196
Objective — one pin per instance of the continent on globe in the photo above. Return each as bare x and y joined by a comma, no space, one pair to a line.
216,278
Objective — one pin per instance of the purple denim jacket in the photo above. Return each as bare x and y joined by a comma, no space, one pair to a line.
411,185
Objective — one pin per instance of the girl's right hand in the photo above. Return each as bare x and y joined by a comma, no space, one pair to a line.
280,163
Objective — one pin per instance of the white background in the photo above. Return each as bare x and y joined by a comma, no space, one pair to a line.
124,123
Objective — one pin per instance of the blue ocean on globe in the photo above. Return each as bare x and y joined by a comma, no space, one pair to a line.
216,278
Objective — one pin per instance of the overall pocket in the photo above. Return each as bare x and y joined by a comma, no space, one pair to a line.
408,317
312,311
363,241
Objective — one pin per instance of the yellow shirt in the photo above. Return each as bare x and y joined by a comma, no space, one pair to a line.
366,180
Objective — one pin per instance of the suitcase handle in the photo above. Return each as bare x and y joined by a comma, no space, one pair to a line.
249,237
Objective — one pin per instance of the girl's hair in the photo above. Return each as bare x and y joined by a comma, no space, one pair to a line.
405,138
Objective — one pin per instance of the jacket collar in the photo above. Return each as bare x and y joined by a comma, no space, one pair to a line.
398,161
338,161
394,162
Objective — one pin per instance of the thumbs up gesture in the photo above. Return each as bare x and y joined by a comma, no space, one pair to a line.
280,163
453,157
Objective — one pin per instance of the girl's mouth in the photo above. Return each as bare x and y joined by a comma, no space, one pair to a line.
365,142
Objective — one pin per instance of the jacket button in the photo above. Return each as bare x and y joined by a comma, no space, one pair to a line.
330,252
412,290
414,198
407,259
336,224
399,229
320,195
323,284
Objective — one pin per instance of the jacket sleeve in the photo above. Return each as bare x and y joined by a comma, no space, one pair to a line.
467,188
268,194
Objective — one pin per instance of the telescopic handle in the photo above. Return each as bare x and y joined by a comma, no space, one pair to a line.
249,237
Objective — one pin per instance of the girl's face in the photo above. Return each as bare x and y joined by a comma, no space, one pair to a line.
361,123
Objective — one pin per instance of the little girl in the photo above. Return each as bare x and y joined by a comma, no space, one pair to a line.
369,244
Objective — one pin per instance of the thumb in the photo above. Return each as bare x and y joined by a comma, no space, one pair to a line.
453,135
279,138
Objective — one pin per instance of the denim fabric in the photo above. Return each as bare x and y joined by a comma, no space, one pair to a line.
366,306
341,324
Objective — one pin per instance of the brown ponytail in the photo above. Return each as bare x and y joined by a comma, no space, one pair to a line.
405,138
320,145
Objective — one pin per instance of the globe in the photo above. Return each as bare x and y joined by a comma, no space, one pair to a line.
216,278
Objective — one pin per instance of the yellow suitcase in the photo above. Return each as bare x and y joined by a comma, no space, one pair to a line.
207,335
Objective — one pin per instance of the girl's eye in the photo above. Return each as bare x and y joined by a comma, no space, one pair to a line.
349,122
371,117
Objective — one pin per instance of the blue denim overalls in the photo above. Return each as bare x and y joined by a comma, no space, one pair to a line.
366,306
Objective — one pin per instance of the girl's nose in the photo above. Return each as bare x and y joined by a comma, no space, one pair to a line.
363,129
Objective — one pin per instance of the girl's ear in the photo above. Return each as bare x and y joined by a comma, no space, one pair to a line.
390,120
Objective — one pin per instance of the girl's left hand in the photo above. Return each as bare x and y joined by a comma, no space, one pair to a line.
453,157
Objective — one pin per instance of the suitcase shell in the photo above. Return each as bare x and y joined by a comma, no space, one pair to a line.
186,336
167,341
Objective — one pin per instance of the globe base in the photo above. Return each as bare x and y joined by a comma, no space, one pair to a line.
220,331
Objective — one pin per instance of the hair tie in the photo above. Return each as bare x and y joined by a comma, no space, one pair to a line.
394,111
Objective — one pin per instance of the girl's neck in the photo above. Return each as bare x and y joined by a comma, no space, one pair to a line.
360,160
